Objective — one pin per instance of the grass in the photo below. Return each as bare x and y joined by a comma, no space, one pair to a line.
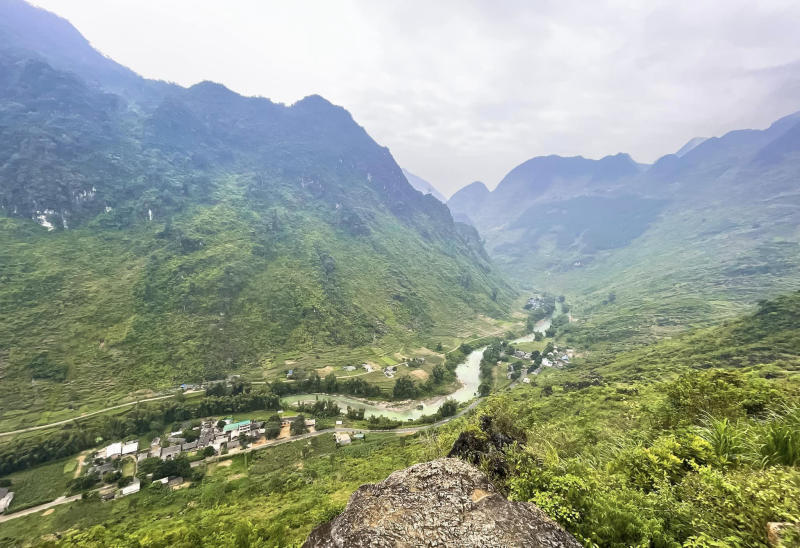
41,484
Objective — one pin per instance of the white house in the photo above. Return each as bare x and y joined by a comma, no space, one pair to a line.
132,488
342,438
6,497
130,447
114,450
526,380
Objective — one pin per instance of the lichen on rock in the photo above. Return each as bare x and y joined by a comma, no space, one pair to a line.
445,502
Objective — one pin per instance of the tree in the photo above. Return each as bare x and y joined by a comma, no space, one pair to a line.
244,439
439,373
449,408
439,347
537,336
484,389
331,384
404,388
208,451
272,429
220,424
299,425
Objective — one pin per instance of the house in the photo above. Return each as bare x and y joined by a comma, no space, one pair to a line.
358,436
171,452
526,380
547,363
286,421
174,481
289,373
130,447
236,428
142,455
111,495
176,440
189,446
565,358
350,368
342,438
233,444
156,441
522,355
131,488
114,450
6,497
102,469
338,423
155,451
367,367
311,422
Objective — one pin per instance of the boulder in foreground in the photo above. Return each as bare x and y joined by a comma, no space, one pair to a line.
445,502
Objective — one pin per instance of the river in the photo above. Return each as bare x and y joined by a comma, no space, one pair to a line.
467,374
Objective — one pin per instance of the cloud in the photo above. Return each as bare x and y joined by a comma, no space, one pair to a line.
466,90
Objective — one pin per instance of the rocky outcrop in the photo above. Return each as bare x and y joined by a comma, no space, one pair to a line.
446,502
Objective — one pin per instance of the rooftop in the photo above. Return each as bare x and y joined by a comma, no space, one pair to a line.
235,425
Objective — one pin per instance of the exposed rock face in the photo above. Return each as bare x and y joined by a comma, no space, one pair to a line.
445,502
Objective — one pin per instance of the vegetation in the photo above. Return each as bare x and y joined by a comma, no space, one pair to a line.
689,456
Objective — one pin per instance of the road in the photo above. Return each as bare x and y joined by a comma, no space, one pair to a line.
33,510
84,415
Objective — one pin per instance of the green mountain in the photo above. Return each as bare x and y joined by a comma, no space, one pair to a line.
644,251
152,234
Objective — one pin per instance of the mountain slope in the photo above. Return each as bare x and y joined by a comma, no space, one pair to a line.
645,252
424,186
196,232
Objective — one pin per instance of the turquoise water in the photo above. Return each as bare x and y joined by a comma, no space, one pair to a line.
467,373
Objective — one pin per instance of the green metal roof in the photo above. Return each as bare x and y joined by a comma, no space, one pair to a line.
235,425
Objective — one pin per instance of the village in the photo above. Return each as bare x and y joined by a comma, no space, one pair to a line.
124,467
551,356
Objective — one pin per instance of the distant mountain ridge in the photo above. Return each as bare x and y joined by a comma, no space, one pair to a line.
719,218
424,186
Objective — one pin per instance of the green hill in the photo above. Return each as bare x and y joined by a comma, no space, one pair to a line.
162,235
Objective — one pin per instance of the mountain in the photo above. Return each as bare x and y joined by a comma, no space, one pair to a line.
424,186
468,200
696,237
690,144
545,178
152,234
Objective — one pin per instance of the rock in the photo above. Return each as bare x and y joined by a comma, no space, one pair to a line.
446,502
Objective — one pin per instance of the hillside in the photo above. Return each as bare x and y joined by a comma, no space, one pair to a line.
616,454
162,235
645,251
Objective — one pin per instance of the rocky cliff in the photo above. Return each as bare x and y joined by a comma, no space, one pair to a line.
445,502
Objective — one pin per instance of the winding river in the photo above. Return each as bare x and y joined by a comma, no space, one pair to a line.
467,374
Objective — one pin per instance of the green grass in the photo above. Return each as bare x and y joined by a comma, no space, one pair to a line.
41,484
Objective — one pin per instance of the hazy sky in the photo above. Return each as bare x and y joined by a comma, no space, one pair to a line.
462,91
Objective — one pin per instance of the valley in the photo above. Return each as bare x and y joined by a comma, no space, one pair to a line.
223,315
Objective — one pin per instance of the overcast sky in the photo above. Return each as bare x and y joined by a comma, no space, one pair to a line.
463,91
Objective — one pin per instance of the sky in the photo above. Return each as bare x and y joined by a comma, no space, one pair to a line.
465,90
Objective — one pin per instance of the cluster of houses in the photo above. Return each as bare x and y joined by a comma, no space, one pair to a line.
535,303
556,358
209,435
